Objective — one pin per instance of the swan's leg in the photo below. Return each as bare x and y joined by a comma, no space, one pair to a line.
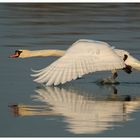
128,69
115,74
115,91
112,79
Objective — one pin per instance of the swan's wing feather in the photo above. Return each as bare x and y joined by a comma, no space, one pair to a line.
81,58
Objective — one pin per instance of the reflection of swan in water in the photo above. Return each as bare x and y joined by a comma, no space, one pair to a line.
84,113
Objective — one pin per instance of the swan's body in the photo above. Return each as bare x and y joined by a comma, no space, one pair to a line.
83,57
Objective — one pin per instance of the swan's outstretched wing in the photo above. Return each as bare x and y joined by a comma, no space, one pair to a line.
83,57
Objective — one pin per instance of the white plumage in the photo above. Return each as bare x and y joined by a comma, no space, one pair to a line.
83,57
83,112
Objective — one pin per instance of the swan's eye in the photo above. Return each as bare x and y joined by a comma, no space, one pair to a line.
18,52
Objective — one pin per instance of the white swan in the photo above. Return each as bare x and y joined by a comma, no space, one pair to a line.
83,57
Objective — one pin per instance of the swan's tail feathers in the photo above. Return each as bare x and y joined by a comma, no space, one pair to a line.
137,66
133,62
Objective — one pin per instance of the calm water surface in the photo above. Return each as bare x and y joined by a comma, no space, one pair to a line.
81,107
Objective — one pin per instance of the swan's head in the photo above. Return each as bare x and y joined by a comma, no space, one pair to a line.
20,54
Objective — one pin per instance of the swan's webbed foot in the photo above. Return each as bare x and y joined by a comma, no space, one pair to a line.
128,69
109,80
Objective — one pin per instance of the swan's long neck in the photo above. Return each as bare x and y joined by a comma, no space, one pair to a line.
42,53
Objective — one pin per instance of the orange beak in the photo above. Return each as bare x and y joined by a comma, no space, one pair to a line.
17,53
13,56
